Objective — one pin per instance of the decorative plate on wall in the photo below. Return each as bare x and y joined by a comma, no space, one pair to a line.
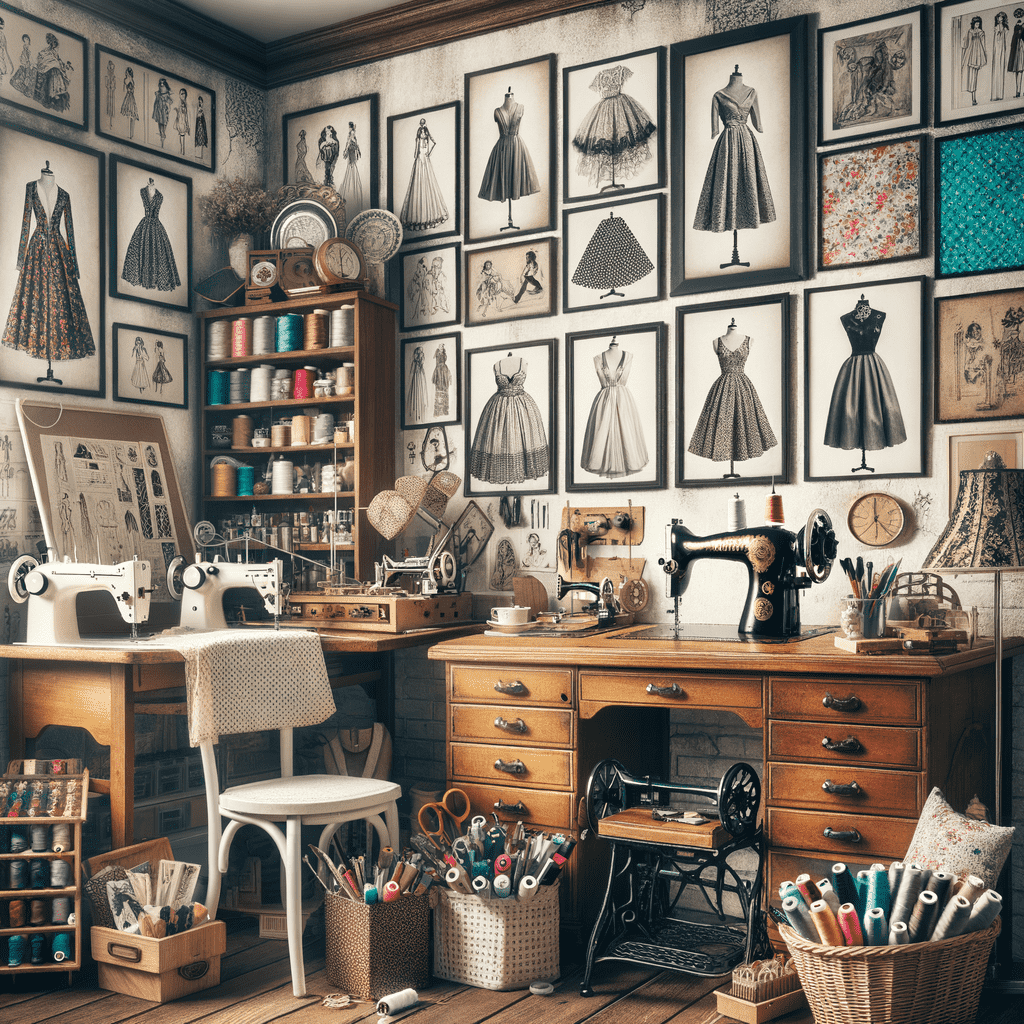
302,224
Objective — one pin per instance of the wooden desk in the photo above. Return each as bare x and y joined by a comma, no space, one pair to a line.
101,690
550,709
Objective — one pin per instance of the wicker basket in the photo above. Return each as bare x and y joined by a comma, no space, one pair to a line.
499,944
919,983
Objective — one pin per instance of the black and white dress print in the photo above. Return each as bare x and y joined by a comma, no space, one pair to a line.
613,258
149,258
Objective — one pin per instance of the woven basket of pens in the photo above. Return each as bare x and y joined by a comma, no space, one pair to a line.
500,944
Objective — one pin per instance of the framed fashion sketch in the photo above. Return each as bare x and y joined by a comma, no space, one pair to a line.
870,205
511,282
732,372
423,171
979,60
336,145
614,434
614,253
150,366
613,122
511,431
872,76
864,360
510,150
431,296
979,179
968,451
431,380
154,109
739,155
150,235
51,278
979,356
43,67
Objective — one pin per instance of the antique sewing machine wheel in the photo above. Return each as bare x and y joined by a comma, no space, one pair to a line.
205,534
634,595
444,569
818,545
604,791
20,568
739,798
175,584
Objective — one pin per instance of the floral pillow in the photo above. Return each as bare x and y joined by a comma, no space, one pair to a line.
945,838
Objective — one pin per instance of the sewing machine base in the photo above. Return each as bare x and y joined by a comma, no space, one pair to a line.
717,632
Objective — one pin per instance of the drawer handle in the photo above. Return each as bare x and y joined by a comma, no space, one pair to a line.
848,746
520,809
851,703
517,726
853,836
513,689
130,954
674,690
840,789
515,767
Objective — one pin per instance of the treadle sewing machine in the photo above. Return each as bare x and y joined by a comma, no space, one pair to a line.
655,848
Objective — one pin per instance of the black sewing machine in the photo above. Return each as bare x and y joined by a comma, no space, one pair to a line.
779,565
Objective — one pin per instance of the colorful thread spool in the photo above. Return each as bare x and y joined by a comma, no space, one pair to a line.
861,881
60,874
826,924
288,335
849,925
264,328
61,838
17,947
773,515
843,884
60,910
392,890
799,916
218,384
828,894
245,478
810,892
39,837
37,912
316,329
502,886
878,894
241,336
302,386
61,947
953,920
223,480
876,927
985,910
38,949
16,911
924,916
241,431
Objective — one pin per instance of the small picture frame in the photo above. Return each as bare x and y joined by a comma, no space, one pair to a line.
511,430
431,380
870,205
150,366
614,253
968,451
732,380
45,68
150,235
610,376
979,356
511,282
423,171
979,176
864,401
431,296
872,76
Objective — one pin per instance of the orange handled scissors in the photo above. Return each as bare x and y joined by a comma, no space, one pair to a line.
434,818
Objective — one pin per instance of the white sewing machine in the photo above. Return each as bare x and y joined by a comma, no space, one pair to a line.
202,586
52,588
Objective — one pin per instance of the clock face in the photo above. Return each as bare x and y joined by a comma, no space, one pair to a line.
876,519
341,260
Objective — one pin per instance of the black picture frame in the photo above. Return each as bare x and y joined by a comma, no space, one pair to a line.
494,300
134,234
631,227
532,86
419,383
66,73
899,348
871,203
873,76
775,56
113,107
144,383
355,166
589,152
432,296
765,321
443,163
483,366
81,173
601,409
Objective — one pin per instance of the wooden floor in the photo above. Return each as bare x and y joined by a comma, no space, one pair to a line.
256,989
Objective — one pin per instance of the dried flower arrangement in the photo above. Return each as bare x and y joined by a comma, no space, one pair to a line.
237,207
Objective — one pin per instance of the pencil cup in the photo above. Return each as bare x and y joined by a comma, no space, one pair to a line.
862,618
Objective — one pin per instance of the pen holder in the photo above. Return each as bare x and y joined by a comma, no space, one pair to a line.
862,618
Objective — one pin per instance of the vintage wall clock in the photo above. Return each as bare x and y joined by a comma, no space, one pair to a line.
876,519
340,261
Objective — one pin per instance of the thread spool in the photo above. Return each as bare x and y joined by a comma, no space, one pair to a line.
527,887
737,513
828,894
878,894
18,874
940,884
259,383
953,920
264,329
323,427
16,912
281,384
799,916
223,480
923,917
40,835
245,478
241,336
288,333
37,953
876,927
482,887
861,881
281,434
37,912
843,884
826,924
316,330
849,924
39,874
60,874
985,910
241,431
397,1001
61,947
895,877
787,889
282,477
346,378
457,879
773,515
502,886
972,888
904,900
302,386
218,340
808,889
60,910
392,890
238,386
899,933
342,326
19,841
217,387
300,429
17,947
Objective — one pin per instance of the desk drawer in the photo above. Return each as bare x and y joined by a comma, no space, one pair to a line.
538,807
535,765
671,689
508,683
845,700
856,835
880,792
859,744
519,725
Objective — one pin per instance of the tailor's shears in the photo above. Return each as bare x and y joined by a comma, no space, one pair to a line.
434,818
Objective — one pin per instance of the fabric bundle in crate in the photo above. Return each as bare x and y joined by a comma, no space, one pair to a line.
374,949
499,944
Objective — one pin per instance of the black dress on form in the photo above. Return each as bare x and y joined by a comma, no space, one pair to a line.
509,173
149,259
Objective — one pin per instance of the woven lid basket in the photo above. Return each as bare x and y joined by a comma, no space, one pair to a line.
920,983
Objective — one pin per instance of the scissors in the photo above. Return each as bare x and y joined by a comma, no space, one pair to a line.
434,818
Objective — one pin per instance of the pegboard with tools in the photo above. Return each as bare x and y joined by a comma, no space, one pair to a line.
584,531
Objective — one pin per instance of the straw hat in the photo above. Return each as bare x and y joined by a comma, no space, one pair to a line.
390,512
441,487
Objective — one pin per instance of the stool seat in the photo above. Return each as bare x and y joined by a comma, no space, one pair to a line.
310,795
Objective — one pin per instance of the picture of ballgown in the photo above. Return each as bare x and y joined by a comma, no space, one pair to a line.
352,185
732,426
202,135
612,139
48,319
51,80
612,259
442,381
418,292
509,173
149,259
510,444
129,108
302,175
416,397
24,79
1000,34
161,375
328,151
613,443
424,206
140,375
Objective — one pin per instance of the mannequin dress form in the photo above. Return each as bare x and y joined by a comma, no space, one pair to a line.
509,173
613,443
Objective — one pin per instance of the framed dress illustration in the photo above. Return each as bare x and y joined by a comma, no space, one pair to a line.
431,296
150,366
739,157
431,380
52,218
511,431
613,125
